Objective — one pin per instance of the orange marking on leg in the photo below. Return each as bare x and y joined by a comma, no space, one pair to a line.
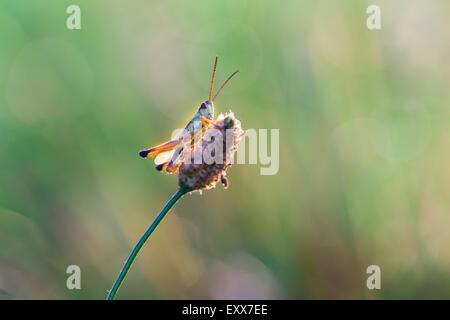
154,151
171,168
162,166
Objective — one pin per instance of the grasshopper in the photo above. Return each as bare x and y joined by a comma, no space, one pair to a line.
169,154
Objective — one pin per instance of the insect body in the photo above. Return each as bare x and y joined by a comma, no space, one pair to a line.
169,154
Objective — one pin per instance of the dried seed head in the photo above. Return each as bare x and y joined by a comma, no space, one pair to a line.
207,163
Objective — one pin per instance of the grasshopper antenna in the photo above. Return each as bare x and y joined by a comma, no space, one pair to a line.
212,80
224,84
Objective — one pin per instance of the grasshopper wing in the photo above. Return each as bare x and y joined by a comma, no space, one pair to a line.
164,157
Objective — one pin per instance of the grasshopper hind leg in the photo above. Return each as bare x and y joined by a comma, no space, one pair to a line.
173,164
144,153
168,166
154,151
162,166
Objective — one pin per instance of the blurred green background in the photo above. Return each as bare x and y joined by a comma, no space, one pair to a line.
364,148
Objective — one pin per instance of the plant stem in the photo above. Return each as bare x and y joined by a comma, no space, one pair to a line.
177,196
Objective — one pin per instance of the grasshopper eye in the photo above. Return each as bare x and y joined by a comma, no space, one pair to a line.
205,105
206,109
203,110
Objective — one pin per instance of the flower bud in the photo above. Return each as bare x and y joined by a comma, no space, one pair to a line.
222,137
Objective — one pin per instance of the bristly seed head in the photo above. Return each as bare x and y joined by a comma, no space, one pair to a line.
194,176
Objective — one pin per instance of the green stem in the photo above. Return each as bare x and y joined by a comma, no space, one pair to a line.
177,196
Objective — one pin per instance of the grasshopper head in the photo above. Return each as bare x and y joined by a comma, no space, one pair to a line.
206,109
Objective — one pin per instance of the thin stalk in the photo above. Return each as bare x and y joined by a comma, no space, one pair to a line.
128,263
